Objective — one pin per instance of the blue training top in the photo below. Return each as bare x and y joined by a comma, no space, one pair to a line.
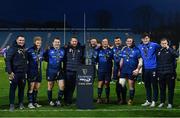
104,59
54,57
130,59
35,58
148,53
117,54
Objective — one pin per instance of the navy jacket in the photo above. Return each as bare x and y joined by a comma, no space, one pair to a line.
165,60
74,57
16,59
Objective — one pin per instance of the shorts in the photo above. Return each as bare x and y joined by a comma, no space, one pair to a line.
128,76
104,76
55,76
34,78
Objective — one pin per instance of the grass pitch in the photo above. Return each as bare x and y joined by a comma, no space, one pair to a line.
101,110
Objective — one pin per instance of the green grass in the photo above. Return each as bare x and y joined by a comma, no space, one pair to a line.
103,110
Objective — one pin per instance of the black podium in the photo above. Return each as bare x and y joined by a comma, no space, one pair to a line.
85,87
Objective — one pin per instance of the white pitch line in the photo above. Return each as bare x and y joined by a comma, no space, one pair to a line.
89,110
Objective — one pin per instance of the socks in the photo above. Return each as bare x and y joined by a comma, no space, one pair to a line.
30,97
60,94
49,93
124,91
118,91
131,93
107,92
99,92
35,96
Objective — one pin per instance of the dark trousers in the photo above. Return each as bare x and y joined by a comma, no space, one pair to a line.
151,84
20,82
94,72
115,71
70,84
166,80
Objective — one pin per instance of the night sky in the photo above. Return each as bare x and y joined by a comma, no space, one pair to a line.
49,10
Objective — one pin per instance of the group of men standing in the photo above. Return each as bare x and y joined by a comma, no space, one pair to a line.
22,65
122,63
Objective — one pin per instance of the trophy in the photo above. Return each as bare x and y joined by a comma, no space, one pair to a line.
88,54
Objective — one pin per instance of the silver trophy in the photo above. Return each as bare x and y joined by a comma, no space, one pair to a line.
88,54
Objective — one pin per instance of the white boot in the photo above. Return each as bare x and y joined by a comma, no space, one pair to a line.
153,104
37,105
31,106
58,103
147,103
161,105
169,106
51,103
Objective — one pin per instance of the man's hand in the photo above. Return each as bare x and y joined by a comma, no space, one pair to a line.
11,76
119,73
58,73
26,76
136,72
167,47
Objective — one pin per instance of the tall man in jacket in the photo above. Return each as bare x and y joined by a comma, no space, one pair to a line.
16,66
74,57
165,71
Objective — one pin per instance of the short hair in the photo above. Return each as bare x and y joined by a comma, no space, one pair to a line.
37,38
19,36
74,37
56,38
129,37
145,34
93,38
165,39
105,38
117,37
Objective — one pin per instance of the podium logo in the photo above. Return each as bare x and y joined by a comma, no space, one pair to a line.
85,80
84,71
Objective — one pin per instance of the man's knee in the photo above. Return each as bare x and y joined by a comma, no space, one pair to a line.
50,85
122,82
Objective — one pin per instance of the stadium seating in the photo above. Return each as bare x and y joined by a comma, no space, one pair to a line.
48,36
